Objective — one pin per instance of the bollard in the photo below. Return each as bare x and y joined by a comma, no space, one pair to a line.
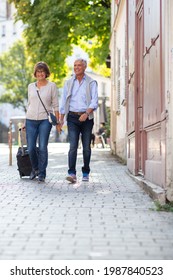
10,142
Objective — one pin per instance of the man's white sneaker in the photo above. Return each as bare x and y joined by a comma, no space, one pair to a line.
71,178
85,177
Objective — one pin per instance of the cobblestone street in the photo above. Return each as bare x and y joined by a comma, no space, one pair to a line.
110,217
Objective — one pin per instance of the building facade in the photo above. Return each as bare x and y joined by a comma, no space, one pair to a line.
10,30
141,92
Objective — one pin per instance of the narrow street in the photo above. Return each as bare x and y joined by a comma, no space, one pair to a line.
110,217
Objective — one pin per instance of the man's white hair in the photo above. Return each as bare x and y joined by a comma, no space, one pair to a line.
83,60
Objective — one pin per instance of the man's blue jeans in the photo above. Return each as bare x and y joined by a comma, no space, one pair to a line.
38,130
75,129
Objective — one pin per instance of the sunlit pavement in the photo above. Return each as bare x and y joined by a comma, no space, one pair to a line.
110,217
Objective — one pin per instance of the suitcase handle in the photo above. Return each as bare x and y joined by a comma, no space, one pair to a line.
21,141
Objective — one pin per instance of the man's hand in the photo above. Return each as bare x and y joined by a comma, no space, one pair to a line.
83,117
61,119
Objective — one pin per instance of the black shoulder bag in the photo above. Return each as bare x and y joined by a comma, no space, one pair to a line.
51,117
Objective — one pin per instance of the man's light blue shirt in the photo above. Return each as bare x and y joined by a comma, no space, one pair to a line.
78,101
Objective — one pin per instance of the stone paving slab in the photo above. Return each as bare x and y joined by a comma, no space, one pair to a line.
111,217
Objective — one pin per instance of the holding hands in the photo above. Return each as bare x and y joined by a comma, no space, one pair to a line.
60,124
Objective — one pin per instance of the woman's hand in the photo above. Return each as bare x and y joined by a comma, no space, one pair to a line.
58,127
23,127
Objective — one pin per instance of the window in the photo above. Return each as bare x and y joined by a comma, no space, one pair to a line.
9,14
103,85
3,31
14,29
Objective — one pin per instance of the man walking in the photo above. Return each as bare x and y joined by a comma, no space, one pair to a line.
79,100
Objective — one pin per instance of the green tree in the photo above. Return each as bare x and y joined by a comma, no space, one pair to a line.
16,74
52,27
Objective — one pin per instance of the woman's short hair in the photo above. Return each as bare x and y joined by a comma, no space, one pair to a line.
41,65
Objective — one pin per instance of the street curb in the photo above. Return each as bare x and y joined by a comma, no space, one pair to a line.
154,191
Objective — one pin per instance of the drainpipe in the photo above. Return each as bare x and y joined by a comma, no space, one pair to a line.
10,143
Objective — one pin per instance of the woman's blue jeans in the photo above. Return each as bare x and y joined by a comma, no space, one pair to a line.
75,129
38,130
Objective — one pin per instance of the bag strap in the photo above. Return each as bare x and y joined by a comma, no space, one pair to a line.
42,102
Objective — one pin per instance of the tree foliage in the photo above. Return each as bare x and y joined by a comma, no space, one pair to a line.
16,74
52,27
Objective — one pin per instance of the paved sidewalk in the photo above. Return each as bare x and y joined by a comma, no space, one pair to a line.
110,217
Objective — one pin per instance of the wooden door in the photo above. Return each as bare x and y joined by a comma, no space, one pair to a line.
139,139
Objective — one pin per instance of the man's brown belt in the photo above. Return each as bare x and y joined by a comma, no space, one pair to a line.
76,113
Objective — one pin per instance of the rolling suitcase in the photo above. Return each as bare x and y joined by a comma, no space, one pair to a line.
23,160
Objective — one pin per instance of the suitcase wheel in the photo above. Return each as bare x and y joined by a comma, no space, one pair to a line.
21,174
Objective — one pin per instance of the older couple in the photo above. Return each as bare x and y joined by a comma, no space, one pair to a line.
79,101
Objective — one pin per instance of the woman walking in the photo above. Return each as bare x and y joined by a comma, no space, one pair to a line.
37,124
